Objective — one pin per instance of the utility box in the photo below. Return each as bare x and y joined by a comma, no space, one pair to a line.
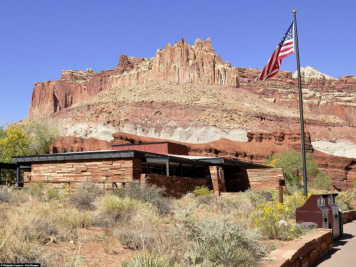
315,210
335,215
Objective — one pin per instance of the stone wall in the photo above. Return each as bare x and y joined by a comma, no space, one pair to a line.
264,178
175,186
302,252
217,179
86,170
348,216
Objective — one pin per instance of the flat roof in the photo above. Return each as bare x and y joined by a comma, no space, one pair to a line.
147,156
100,154
149,143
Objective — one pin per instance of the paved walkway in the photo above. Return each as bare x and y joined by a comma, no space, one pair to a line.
344,251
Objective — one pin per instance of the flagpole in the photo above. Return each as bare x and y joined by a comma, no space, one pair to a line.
305,181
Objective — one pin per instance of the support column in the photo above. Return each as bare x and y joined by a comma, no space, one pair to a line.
167,168
221,176
214,179
18,176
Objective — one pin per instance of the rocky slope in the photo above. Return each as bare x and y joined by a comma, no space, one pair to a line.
188,94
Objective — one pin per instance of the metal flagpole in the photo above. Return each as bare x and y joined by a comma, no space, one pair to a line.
305,181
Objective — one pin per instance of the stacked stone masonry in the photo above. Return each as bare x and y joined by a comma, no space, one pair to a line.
264,178
305,251
174,186
89,170
348,216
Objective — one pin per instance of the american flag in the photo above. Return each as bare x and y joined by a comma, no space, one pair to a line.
284,49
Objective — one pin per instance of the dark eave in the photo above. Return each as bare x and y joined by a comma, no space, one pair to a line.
111,154
159,158
233,162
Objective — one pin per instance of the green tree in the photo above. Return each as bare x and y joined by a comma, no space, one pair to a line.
13,142
292,165
42,132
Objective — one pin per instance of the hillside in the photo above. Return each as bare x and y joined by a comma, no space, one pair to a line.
189,94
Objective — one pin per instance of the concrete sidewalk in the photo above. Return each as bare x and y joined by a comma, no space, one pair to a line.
344,251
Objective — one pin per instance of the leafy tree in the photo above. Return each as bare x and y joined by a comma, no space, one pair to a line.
13,142
292,165
42,132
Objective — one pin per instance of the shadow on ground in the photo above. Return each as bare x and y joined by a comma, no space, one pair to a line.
338,243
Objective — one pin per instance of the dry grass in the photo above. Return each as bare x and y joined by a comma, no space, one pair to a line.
206,231
26,230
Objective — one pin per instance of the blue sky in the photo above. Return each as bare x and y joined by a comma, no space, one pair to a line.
39,38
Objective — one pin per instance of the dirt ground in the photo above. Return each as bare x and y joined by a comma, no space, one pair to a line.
96,247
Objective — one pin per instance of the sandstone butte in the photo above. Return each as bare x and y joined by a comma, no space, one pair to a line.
188,94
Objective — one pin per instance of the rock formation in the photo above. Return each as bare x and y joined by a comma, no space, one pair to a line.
186,93
180,63
309,73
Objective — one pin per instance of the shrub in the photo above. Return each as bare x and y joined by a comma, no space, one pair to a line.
85,195
294,201
49,224
272,220
136,236
216,241
291,163
35,190
145,230
24,230
112,209
202,191
4,195
149,193
321,181
42,132
344,200
146,260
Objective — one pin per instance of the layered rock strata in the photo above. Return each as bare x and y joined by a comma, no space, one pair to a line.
180,63
258,148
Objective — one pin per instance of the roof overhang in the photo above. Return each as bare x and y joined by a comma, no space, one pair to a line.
90,155
127,154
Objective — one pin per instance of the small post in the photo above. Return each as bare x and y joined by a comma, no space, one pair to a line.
281,183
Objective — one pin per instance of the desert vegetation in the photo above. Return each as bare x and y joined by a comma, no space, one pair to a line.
140,227
291,163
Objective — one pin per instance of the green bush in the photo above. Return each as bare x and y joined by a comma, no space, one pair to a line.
42,132
292,165
294,201
146,260
272,220
202,191
344,200
144,231
321,181
112,209
148,193
84,197
217,241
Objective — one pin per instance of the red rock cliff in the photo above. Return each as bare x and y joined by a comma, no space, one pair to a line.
180,63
